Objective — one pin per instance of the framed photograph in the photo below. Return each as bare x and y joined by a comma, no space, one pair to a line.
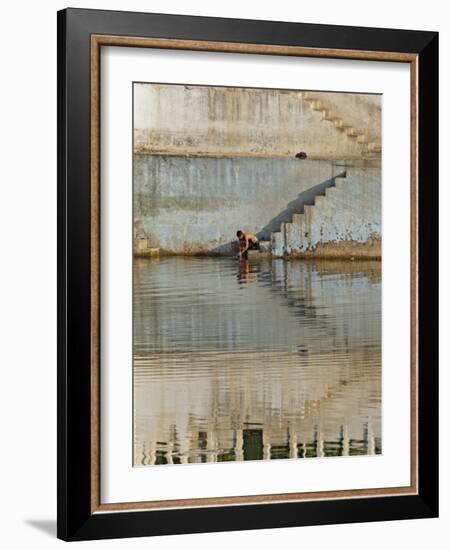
247,257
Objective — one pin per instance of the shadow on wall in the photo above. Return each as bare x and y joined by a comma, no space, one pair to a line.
226,249
296,207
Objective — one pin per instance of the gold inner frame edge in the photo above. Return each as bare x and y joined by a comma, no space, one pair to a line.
232,47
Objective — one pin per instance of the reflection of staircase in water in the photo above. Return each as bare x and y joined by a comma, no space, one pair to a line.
303,300
270,430
275,279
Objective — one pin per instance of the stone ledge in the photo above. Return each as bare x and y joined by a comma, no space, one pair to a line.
143,249
350,250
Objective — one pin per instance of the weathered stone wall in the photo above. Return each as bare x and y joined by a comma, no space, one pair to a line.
220,121
194,205
211,160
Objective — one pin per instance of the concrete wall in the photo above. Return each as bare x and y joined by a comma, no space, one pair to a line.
209,161
194,205
220,121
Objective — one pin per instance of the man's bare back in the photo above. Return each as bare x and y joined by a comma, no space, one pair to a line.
247,241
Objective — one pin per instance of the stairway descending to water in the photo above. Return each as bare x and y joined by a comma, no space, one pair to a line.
266,246
297,235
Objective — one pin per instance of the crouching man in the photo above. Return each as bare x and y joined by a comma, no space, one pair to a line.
247,241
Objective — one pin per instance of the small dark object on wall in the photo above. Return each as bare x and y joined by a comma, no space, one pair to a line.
302,155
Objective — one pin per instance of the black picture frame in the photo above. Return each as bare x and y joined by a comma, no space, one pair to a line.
75,518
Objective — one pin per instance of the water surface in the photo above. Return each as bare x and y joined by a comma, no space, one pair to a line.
264,359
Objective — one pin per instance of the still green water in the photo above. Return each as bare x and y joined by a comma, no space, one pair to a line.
255,360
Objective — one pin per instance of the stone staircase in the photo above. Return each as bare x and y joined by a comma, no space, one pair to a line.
346,215
369,148
300,224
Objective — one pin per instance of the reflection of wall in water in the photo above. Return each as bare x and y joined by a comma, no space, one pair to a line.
290,408
322,387
284,294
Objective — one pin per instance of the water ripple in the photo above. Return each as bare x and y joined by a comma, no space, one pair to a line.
263,360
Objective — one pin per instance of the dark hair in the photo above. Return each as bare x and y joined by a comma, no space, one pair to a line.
239,233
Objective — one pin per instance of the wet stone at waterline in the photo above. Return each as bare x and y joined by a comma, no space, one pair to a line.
249,361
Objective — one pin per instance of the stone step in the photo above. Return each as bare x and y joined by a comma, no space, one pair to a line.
257,254
352,132
308,211
264,247
300,224
316,105
143,248
371,155
327,115
285,226
277,244
307,96
319,199
374,147
344,128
